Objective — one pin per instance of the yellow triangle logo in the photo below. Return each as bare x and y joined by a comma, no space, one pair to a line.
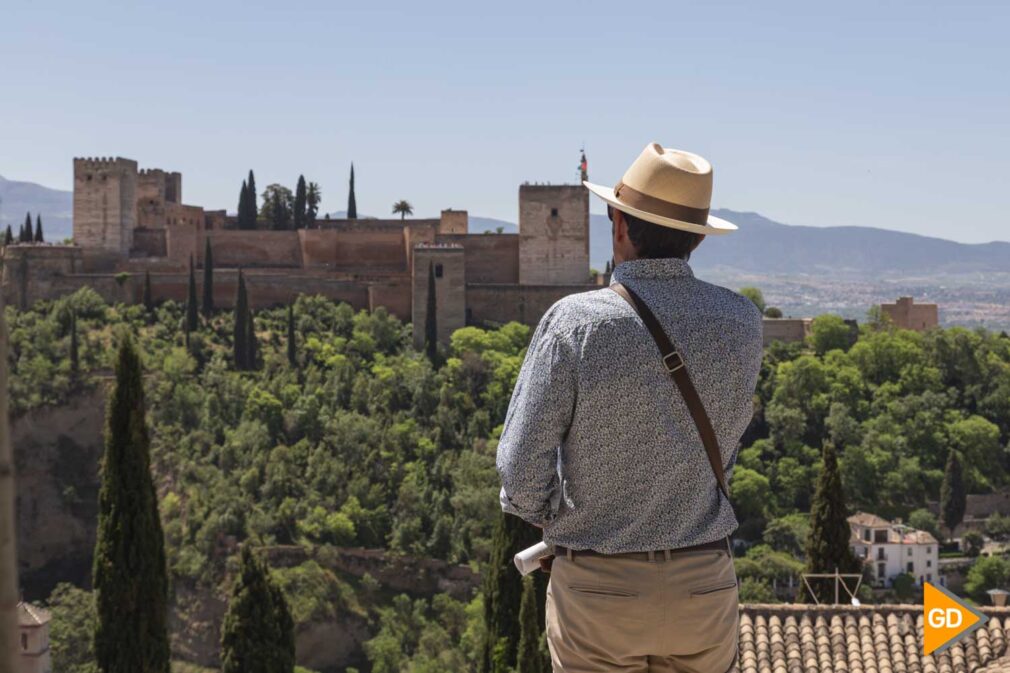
946,619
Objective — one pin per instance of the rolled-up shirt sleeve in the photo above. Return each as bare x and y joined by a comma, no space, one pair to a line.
537,422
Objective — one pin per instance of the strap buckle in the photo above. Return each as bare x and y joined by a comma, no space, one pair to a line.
673,362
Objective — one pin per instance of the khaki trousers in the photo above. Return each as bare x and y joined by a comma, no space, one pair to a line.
628,614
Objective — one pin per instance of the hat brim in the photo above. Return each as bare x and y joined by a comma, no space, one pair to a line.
716,226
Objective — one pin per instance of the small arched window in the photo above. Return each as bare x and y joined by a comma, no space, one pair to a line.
438,271
24,642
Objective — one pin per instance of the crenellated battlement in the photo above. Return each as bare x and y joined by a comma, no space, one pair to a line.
103,162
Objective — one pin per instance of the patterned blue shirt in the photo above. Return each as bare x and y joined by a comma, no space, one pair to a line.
598,445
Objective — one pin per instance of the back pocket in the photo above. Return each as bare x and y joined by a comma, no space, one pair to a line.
601,591
713,588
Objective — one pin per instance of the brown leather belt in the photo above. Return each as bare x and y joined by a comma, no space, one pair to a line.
715,545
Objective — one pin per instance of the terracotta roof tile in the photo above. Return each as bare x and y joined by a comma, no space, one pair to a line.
869,520
868,639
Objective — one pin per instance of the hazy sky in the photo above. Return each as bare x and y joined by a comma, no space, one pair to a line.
891,114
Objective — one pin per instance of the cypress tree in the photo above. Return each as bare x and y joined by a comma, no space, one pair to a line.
529,658
258,632
280,211
252,200
208,279
39,238
21,234
8,236
240,331
352,203
242,215
503,588
827,546
252,346
148,296
129,574
75,364
192,316
431,318
301,204
953,497
292,343
26,229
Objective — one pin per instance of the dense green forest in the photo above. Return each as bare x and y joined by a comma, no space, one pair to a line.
347,436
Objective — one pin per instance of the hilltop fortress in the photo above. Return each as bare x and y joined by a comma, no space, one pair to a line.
129,222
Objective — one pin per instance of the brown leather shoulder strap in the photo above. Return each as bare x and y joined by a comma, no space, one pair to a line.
678,372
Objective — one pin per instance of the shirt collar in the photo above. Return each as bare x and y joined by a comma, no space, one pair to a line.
658,269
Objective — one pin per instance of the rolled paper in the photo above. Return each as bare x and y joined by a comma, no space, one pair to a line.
528,559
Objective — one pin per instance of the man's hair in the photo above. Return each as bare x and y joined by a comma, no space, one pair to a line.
653,241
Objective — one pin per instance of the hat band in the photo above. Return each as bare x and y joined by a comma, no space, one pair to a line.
650,204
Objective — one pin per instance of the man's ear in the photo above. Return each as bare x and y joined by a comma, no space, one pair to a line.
620,226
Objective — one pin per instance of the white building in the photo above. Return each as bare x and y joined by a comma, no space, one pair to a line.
33,639
892,549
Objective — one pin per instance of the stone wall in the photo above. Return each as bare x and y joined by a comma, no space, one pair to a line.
149,243
498,304
182,242
265,288
490,258
236,248
447,263
553,234
178,213
33,272
393,295
157,192
367,249
417,232
105,203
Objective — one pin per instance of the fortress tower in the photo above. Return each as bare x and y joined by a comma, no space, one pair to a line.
448,262
155,189
105,203
553,234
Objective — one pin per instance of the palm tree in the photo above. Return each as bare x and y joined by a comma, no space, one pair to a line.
403,208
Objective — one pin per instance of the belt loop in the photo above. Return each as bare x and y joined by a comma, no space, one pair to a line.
652,556
729,547
568,551
666,553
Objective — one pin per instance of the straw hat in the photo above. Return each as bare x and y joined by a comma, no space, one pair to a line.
668,187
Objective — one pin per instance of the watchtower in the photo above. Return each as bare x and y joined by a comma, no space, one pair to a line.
553,234
105,203
446,262
155,189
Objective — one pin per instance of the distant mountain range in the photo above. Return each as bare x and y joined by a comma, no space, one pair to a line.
55,206
762,246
